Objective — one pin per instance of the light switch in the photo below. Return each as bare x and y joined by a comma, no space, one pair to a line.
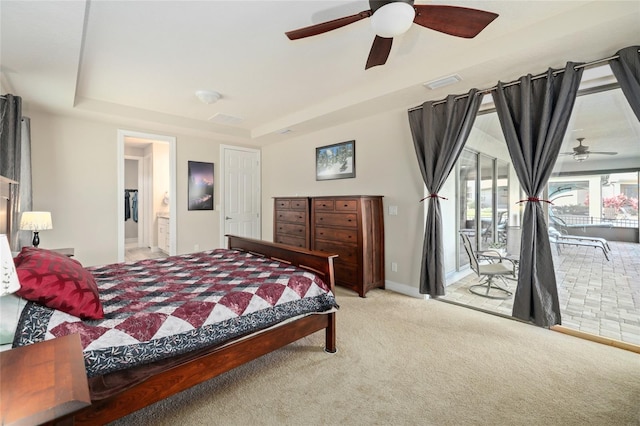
393,210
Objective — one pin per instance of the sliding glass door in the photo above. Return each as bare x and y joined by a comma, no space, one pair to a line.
483,201
467,200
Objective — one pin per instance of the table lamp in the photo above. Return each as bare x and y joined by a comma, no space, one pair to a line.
36,222
10,283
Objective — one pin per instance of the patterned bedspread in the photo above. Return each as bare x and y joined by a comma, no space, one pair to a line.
158,308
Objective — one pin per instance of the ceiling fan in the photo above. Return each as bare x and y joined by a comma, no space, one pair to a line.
581,152
391,18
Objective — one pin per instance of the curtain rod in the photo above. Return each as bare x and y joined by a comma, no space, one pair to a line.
513,83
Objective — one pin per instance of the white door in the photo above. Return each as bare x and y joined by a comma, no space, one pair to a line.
241,208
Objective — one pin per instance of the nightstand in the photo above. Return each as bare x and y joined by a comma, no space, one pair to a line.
42,382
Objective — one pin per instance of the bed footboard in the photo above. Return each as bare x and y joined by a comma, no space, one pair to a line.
316,261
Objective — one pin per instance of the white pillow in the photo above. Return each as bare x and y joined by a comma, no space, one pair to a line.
10,309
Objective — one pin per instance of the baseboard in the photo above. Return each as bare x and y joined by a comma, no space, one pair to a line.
407,290
595,338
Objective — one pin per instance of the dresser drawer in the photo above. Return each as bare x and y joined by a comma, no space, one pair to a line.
291,240
346,273
299,204
282,204
337,219
337,234
346,205
291,229
292,216
326,205
346,252
291,204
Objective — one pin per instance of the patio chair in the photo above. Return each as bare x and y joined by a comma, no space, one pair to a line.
559,239
489,272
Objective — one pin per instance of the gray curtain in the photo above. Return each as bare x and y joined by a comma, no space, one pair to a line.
626,68
25,198
15,159
534,116
439,130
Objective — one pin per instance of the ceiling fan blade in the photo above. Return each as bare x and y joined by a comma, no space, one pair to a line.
453,20
327,26
566,153
379,52
603,152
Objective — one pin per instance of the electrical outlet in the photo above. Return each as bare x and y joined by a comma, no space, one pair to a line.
196,247
394,267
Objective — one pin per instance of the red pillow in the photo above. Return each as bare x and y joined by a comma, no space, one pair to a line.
58,282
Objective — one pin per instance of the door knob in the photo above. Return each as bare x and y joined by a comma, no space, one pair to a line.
227,218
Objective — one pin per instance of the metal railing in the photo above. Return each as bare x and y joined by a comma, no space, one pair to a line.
591,220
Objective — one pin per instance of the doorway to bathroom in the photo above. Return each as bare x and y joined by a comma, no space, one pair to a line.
146,205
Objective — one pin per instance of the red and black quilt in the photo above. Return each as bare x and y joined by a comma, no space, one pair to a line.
158,308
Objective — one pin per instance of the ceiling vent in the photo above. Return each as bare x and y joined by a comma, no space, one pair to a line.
441,82
221,118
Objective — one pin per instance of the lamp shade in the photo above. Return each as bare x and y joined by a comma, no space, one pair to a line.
9,277
393,19
35,221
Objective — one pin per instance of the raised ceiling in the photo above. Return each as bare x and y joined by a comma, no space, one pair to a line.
140,62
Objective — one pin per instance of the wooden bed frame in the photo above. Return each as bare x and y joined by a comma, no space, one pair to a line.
184,376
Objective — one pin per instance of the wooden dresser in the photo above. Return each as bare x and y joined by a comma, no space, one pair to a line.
350,226
291,221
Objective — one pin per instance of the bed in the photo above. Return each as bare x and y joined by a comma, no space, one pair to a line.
195,317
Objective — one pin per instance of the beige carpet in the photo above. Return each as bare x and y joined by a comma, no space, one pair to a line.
404,361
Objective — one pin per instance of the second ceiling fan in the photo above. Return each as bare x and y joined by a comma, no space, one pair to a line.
581,152
391,18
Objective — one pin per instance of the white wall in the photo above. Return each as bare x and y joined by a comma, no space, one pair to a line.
74,165
385,165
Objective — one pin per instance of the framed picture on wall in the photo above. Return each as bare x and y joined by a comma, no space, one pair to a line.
200,185
337,161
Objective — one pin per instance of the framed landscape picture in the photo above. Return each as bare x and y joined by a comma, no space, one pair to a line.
337,161
200,185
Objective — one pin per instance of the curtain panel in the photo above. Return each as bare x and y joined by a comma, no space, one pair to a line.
15,162
439,130
534,116
10,129
25,195
626,68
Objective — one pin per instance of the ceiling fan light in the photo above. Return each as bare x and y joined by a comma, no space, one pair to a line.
581,156
393,19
